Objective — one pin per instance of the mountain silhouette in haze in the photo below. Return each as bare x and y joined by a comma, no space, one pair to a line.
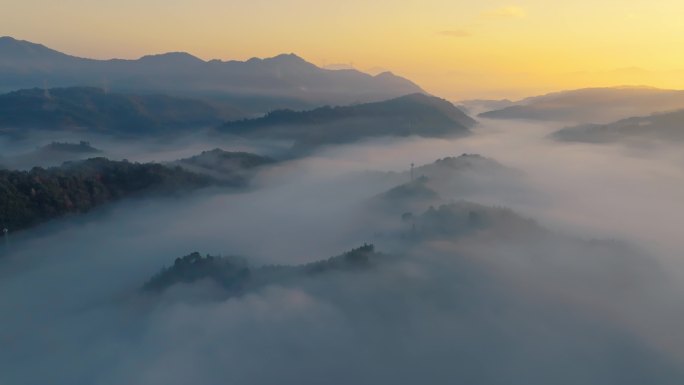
592,105
415,114
664,127
221,164
259,85
454,177
95,110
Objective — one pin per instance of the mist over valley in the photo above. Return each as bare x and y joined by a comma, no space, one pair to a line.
171,220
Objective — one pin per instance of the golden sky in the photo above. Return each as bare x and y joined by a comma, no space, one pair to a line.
455,49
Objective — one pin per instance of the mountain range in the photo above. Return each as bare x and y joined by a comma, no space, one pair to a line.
591,105
665,127
257,85
95,110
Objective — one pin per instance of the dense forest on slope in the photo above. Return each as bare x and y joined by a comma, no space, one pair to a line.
30,197
236,276
96,110
415,114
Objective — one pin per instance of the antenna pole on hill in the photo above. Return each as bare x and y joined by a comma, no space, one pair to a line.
412,165
5,236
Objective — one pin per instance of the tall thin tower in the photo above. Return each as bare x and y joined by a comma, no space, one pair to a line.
412,165
5,236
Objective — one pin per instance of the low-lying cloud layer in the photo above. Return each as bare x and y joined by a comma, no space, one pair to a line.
478,309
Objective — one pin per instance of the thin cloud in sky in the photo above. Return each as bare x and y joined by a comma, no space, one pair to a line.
508,12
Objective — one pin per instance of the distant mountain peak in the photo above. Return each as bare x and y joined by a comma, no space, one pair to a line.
385,74
179,57
289,59
11,40
257,85
24,53
288,56
8,41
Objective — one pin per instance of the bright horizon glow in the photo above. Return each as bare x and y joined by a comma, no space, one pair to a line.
453,49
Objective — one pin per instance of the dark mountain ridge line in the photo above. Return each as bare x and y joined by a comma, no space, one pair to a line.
591,105
30,48
329,112
95,110
281,81
666,126
414,114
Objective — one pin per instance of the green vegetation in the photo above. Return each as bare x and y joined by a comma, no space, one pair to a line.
234,275
416,114
227,271
96,110
31,197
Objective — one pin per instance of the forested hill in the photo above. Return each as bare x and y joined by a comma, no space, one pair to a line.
96,110
662,127
237,277
28,198
415,114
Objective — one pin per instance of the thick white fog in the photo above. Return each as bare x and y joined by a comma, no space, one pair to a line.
475,310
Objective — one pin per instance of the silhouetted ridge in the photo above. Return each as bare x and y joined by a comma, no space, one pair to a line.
415,114
256,85
592,105
177,58
665,127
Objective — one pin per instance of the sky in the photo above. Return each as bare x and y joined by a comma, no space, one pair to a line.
454,49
